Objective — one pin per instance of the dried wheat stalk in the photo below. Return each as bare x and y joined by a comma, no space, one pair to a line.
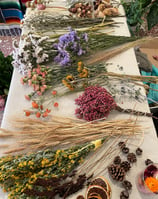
60,131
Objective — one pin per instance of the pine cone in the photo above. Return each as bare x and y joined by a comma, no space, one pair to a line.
116,172
117,160
124,194
139,151
125,165
127,185
121,145
131,157
125,150
148,161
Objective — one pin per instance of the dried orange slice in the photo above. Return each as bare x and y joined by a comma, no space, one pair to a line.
96,192
101,181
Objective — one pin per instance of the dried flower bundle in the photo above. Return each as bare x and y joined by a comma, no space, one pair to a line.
33,50
41,23
96,103
36,50
69,46
59,131
25,174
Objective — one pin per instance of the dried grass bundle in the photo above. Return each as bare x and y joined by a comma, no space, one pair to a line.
63,132
105,55
149,79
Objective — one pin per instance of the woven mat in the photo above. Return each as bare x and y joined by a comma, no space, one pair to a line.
6,44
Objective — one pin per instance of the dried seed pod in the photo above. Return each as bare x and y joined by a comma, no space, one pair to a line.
101,181
139,151
125,150
124,194
125,165
127,185
95,191
117,160
148,161
131,157
116,172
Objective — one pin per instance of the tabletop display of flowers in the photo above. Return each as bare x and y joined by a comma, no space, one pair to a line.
51,171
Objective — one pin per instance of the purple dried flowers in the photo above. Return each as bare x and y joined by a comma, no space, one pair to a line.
70,45
95,103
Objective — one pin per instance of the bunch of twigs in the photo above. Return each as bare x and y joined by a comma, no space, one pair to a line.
63,132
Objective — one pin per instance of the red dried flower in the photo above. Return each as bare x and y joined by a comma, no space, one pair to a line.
38,114
35,105
54,92
95,103
27,113
56,104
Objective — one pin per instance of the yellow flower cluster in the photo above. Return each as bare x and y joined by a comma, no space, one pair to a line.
83,71
70,81
23,171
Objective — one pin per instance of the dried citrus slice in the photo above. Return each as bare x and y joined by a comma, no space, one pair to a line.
96,192
101,181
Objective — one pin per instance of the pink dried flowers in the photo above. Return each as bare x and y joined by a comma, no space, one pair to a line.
95,103
39,78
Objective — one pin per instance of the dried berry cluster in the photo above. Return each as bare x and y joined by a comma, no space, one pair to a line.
118,169
95,103
81,10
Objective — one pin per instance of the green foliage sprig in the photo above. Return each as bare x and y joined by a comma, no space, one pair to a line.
6,70
137,9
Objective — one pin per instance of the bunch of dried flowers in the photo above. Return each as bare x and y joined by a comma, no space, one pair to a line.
20,173
94,103
69,46
40,79
41,23
33,50
65,50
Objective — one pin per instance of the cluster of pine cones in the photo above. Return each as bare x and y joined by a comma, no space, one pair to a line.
118,169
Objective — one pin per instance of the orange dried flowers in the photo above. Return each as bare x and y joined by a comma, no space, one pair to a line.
152,184
35,105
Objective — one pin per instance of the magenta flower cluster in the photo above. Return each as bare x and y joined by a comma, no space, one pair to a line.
95,103
70,45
